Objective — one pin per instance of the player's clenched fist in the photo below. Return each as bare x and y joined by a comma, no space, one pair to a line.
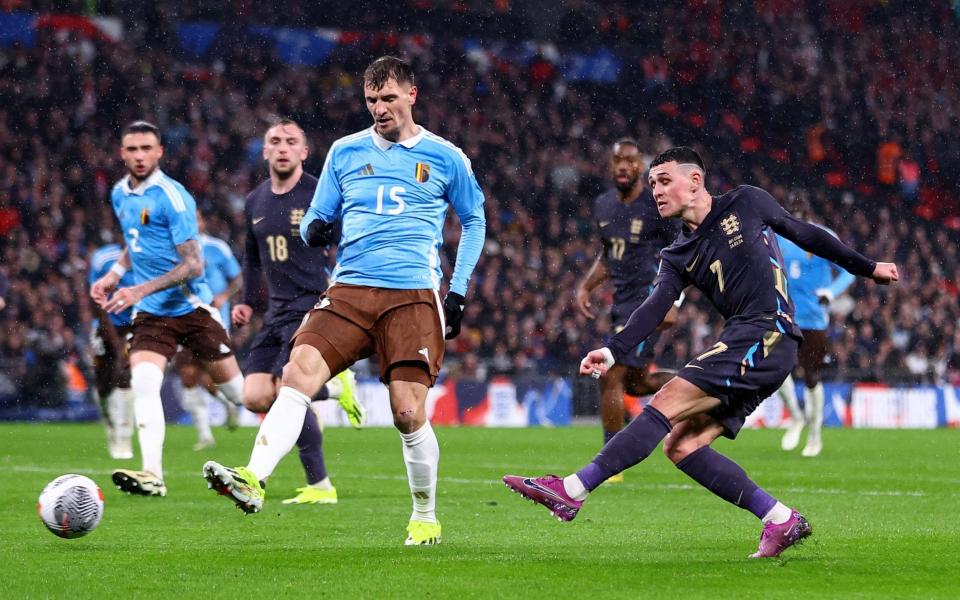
241,314
596,362
886,273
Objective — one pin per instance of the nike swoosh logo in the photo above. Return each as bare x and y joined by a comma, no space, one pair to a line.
690,366
258,219
693,264
547,491
604,223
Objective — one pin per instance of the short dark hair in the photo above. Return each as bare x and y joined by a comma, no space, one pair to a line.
386,67
626,140
284,121
680,155
142,127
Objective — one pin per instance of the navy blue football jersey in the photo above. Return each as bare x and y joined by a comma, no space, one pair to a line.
633,234
734,259
296,274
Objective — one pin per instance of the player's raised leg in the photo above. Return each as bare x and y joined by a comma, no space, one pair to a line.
301,380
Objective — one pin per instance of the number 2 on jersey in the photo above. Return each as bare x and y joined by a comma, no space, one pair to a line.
395,192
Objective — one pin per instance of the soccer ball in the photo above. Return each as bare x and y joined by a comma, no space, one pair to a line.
71,506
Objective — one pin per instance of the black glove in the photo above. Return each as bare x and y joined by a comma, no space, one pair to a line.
453,309
319,233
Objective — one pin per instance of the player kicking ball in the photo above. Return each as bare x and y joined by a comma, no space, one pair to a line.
727,249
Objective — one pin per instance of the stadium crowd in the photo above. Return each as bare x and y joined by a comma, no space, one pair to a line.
785,99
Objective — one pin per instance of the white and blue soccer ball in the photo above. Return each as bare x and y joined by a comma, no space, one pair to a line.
71,506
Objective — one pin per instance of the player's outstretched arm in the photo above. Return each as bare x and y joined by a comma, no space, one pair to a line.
816,239
189,267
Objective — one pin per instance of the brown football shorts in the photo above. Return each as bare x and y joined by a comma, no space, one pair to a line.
404,327
199,332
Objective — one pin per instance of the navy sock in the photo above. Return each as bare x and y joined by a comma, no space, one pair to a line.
310,444
726,479
631,445
323,394
608,435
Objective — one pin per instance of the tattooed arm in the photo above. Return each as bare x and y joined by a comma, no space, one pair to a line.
190,267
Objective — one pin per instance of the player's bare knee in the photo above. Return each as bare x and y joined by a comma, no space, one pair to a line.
258,402
676,448
294,376
189,376
408,419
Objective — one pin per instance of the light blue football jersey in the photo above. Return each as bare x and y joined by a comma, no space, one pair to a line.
392,199
156,217
103,258
807,273
220,266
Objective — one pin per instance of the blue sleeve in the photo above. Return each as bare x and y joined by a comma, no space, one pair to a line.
92,275
808,236
327,198
467,199
648,316
182,216
231,267
841,282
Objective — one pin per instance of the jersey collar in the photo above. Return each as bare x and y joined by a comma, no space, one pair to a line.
140,189
385,144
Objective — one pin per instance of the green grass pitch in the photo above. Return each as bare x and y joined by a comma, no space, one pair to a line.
883,505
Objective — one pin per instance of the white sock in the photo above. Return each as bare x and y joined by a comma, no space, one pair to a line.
278,432
815,410
145,381
334,388
421,453
195,403
122,411
788,393
778,514
574,488
323,484
233,390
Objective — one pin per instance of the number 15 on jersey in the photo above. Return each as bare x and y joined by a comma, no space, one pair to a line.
396,196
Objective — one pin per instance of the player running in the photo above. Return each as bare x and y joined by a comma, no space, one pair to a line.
223,276
111,366
296,276
171,298
728,250
390,187
633,232
812,288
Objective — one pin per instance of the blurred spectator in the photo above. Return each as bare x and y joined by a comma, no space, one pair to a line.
856,102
